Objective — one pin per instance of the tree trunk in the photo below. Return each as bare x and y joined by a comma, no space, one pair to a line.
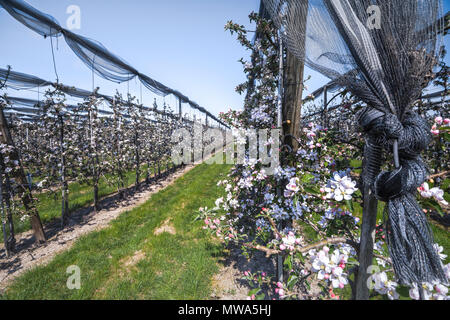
96,204
3,217
138,165
64,185
8,191
22,183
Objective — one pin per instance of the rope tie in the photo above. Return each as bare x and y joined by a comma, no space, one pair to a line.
409,237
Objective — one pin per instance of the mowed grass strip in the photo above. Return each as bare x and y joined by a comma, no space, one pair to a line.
80,195
155,251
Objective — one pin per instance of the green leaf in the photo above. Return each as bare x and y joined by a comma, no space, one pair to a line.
288,262
445,184
447,136
311,190
355,163
308,285
293,279
431,203
254,292
261,296
306,178
349,205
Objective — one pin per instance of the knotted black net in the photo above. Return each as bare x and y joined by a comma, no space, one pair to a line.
383,52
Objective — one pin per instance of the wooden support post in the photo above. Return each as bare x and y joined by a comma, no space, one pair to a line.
292,106
95,161
280,274
325,107
180,110
289,110
22,183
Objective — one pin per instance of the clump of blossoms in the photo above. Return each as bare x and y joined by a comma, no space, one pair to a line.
308,211
383,281
435,192
330,266
334,214
384,286
340,187
439,125
257,214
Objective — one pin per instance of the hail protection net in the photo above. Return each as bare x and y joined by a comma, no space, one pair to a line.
93,54
19,81
383,51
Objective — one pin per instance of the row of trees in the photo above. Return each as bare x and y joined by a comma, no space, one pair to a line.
83,143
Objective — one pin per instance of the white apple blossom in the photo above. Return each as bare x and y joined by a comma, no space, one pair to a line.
436,193
340,188
384,286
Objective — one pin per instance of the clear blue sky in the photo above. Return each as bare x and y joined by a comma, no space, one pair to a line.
181,43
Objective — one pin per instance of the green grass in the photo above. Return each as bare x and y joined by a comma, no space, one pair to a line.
173,266
80,195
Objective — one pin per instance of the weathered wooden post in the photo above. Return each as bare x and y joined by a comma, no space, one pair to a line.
95,160
22,184
292,106
325,107
280,274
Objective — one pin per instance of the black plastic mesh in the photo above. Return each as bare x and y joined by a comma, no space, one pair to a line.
97,57
18,81
386,67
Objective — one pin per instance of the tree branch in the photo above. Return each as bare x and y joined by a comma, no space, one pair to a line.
270,252
438,175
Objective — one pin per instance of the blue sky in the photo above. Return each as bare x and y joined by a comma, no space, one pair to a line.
181,43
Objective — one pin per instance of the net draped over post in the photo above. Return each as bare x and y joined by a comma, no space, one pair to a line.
383,52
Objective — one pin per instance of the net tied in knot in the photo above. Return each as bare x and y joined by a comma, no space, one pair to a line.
410,240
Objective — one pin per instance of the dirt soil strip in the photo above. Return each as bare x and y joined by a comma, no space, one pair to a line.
78,225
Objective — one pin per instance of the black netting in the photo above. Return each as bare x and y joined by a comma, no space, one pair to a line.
386,67
331,86
18,81
97,57
39,22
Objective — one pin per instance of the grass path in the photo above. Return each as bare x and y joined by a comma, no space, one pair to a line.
80,195
129,260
